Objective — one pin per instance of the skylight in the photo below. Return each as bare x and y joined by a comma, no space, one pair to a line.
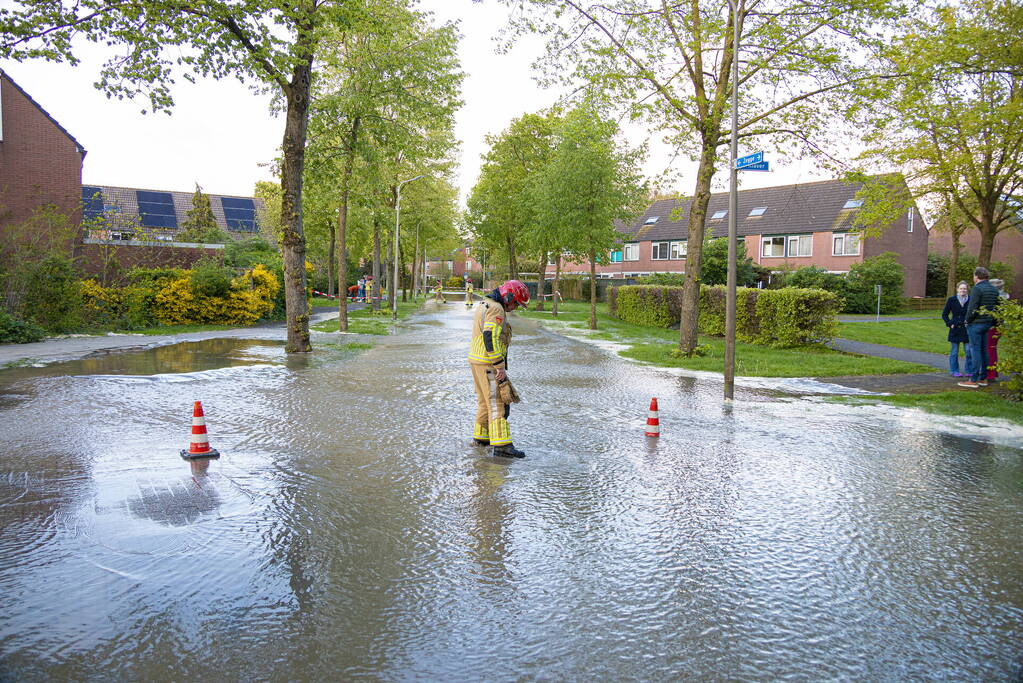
719,215
853,204
651,220
758,211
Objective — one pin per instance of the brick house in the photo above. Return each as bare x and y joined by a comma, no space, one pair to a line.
40,162
784,227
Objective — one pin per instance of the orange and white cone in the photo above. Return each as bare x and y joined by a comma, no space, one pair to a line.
199,447
653,423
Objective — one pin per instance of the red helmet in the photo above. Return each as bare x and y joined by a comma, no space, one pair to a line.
513,290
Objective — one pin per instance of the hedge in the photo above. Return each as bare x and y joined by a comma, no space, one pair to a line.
769,317
1010,347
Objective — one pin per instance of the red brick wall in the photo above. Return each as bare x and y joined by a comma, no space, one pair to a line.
39,163
911,248
92,257
1008,248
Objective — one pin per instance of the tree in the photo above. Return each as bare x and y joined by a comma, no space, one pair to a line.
200,224
590,183
954,120
671,64
501,210
271,42
715,263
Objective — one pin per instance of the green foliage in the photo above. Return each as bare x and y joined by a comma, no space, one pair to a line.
1009,318
780,318
15,331
882,270
937,272
454,282
715,264
210,279
200,225
52,297
663,279
813,277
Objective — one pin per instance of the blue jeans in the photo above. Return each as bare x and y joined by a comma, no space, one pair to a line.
978,344
953,358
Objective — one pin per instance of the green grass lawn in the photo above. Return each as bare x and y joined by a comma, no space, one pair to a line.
179,329
918,335
973,403
367,321
656,345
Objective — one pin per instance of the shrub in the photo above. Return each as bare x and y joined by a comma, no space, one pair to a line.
714,267
937,272
781,318
249,297
15,331
454,282
812,277
882,270
52,297
1010,346
663,279
209,279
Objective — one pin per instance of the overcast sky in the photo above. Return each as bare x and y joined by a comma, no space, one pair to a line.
221,135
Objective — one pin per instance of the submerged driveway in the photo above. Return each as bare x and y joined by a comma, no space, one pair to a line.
351,530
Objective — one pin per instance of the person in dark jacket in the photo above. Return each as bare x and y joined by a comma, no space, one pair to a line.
983,300
954,316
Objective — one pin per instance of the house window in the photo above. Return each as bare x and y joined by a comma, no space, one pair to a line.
718,215
630,252
616,256
853,204
845,244
758,211
651,220
909,220
786,245
800,245
663,251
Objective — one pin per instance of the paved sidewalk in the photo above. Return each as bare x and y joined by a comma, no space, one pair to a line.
873,319
935,360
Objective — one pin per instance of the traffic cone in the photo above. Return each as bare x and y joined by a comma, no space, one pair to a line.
199,447
653,423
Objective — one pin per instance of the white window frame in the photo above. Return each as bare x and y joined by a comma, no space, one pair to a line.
651,220
799,241
655,247
853,204
769,239
630,248
909,220
845,237
758,211
611,255
718,215
678,249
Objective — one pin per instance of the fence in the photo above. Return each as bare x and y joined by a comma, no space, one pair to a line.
925,303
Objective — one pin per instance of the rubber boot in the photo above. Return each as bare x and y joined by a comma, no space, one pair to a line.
481,442
508,451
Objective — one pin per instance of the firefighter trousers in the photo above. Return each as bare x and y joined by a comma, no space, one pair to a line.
491,413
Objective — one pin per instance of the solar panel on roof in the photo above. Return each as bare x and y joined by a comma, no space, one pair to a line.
92,203
240,213
156,209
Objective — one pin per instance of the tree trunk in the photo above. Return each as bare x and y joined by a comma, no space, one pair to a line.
593,289
330,261
342,225
541,281
376,265
292,238
556,290
690,305
414,275
953,264
513,268
987,240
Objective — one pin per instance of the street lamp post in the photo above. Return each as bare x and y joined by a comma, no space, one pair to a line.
733,209
397,224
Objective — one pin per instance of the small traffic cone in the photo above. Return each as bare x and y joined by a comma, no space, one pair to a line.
199,447
653,423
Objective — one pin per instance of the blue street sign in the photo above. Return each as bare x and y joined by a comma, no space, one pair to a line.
762,166
755,158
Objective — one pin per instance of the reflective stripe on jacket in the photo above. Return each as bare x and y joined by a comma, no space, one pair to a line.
488,345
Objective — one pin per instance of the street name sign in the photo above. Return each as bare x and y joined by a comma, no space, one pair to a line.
760,166
755,158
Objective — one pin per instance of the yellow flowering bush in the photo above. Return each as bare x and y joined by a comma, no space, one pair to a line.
101,306
250,297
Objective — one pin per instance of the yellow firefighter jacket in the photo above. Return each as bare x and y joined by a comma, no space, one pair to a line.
490,334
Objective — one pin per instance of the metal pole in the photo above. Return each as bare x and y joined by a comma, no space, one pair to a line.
397,224
733,209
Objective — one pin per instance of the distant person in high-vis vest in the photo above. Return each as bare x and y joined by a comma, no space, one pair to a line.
488,359
439,291
369,289
468,293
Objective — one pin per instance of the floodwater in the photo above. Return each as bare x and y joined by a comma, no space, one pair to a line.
351,530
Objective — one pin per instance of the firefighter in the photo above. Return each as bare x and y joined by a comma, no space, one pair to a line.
468,293
488,359
439,289
369,289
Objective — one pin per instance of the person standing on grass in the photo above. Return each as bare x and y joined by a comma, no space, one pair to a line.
954,316
983,300
993,334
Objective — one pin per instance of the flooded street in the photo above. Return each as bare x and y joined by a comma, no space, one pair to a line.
350,529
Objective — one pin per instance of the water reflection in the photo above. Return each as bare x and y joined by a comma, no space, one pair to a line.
491,514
